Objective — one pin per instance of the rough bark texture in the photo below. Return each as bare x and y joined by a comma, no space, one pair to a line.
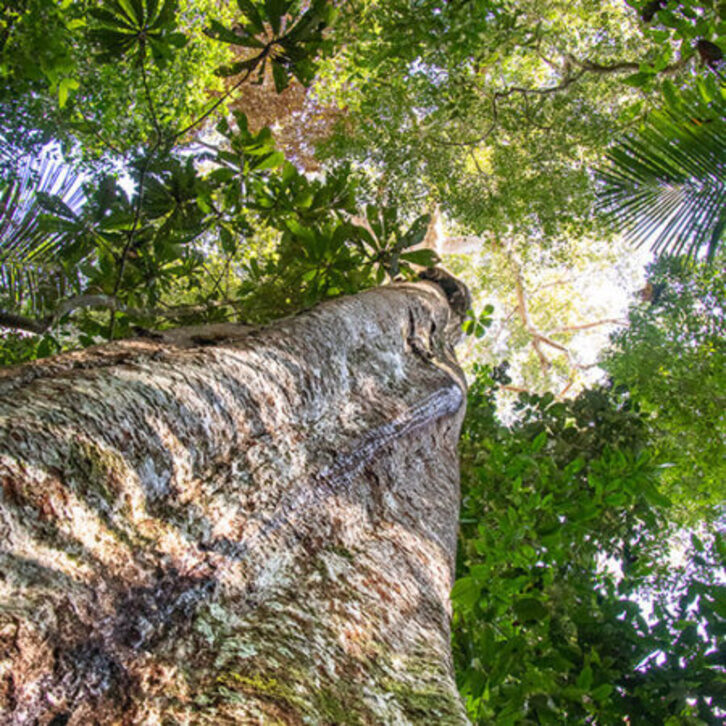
234,525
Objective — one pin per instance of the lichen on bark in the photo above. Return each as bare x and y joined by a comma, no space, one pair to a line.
253,526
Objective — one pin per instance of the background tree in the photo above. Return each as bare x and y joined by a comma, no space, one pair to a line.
561,552
672,357
474,104
553,309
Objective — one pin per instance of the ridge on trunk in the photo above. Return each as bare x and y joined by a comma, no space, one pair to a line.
236,525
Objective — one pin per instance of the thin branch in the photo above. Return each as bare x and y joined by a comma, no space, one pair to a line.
585,366
620,66
222,98
478,140
139,197
548,341
515,389
562,393
150,101
470,142
595,324
216,280
564,83
587,66
98,134
544,362
132,232
556,283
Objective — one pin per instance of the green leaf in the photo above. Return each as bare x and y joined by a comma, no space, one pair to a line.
235,68
64,87
671,96
584,680
539,441
275,9
270,161
279,75
252,15
417,231
217,31
638,80
112,20
425,257
166,16
602,692
229,244
529,609
466,592
178,40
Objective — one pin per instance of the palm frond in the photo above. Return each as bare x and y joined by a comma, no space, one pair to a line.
30,247
666,184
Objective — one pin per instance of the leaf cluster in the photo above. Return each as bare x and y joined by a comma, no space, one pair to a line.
132,28
284,37
559,544
665,183
672,356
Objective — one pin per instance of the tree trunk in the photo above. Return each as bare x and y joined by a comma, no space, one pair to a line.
236,525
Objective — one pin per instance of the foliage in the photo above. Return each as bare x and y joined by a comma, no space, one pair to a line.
202,238
75,99
477,325
665,183
496,110
683,25
32,256
544,630
288,46
142,246
672,356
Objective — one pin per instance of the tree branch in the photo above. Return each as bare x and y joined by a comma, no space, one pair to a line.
564,83
586,326
222,98
548,341
42,325
588,66
21,322
515,389
150,102
620,66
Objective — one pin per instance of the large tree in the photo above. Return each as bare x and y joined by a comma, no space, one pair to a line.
229,524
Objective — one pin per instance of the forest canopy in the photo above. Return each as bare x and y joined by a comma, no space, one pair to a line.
166,162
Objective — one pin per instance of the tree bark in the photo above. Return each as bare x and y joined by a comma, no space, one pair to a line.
236,526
